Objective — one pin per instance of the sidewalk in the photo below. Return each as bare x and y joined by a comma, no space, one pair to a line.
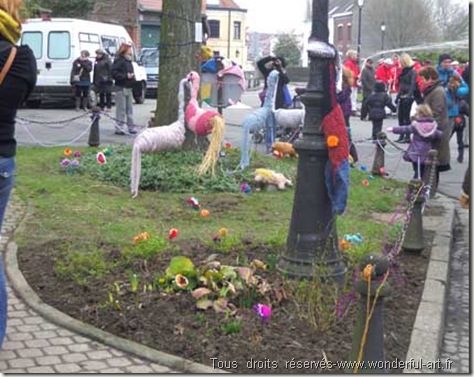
456,336
36,345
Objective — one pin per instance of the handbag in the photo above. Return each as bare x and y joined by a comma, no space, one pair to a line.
77,78
8,64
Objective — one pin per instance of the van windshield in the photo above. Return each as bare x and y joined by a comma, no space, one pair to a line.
150,58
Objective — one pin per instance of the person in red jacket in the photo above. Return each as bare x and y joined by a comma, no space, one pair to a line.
352,64
382,73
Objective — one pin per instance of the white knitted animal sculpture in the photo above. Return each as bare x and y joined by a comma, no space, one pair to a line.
157,139
258,119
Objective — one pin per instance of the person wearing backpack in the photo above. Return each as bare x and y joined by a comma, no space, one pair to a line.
375,104
18,73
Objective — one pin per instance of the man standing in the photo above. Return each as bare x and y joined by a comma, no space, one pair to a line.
353,65
367,80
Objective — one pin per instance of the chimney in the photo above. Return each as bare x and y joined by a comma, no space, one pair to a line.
45,14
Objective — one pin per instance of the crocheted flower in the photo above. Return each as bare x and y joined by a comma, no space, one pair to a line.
367,273
332,141
68,152
77,154
263,311
205,213
173,233
65,163
181,281
101,158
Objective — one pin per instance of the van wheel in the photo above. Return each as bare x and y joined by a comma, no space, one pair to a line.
139,93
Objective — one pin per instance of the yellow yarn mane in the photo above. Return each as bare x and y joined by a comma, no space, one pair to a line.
215,145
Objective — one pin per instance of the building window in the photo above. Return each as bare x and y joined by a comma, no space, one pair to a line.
349,32
214,26
237,26
340,32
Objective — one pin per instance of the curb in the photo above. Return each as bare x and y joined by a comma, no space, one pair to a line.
20,285
427,334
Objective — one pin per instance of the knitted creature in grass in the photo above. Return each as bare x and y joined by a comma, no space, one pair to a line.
204,122
266,177
286,149
157,139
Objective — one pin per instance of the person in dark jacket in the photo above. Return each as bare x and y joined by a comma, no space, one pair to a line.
103,79
367,80
19,82
424,130
407,83
265,66
375,104
466,189
434,95
122,73
81,80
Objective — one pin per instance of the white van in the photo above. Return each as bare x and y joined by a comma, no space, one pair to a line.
56,43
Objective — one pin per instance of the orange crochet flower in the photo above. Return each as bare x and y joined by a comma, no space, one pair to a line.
344,245
68,152
332,141
367,272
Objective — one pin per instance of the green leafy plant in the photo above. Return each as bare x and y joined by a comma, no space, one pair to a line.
147,246
232,327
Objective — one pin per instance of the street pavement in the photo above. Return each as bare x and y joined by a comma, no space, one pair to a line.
35,345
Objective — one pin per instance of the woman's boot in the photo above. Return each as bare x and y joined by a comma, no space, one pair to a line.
78,103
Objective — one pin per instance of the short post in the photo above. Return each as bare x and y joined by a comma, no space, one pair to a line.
414,239
429,176
369,337
94,134
220,90
379,159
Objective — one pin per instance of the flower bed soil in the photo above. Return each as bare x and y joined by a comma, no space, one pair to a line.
171,323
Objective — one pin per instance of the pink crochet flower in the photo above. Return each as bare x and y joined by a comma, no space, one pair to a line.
263,311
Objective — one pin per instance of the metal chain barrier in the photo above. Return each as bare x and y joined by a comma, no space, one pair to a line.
66,122
32,137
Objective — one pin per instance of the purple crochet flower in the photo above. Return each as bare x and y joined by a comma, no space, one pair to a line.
75,163
77,154
65,162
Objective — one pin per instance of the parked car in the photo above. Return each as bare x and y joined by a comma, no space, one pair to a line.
56,43
149,59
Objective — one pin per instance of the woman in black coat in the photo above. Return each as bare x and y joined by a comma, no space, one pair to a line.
406,93
103,79
19,81
81,80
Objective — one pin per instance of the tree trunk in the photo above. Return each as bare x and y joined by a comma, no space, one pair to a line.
178,47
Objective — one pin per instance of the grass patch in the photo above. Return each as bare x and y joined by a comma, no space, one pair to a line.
92,209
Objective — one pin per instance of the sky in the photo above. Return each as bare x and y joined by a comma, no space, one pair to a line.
273,16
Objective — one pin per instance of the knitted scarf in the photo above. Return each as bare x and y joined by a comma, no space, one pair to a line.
9,27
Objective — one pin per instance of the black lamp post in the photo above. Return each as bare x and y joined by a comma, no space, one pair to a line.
312,245
382,29
360,3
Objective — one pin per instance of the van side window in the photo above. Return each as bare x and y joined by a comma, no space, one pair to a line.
110,44
89,42
34,39
59,45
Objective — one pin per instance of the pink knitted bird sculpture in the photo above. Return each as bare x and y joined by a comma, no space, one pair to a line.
204,122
